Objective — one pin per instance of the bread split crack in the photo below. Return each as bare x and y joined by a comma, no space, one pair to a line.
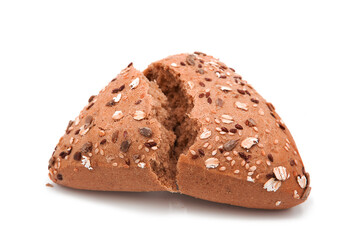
178,106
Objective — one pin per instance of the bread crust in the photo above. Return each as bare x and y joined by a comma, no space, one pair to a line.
116,140
244,154
238,150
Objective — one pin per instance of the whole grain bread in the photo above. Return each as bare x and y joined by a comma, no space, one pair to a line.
243,153
191,125
118,143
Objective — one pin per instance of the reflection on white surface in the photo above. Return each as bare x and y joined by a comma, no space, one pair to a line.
165,202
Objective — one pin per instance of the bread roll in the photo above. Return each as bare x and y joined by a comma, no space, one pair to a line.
193,126
239,150
118,141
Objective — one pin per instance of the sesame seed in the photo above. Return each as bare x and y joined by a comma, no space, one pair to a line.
222,168
213,153
226,118
261,112
206,134
262,151
252,169
117,115
139,115
250,179
134,83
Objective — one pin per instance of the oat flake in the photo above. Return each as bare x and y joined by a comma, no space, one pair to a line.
86,162
212,163
139,115
280,173
117,98
242,106
249,142
302,181
117,115
272,185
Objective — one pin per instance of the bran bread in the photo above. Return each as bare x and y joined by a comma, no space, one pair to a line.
243,153
187,124
118,141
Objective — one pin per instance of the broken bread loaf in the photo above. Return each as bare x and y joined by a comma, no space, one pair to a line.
118,142
242,152
188,124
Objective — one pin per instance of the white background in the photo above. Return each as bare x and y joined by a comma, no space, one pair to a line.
303,56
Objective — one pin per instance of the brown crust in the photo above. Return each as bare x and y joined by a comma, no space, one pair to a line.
102,150
243,153
232,111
